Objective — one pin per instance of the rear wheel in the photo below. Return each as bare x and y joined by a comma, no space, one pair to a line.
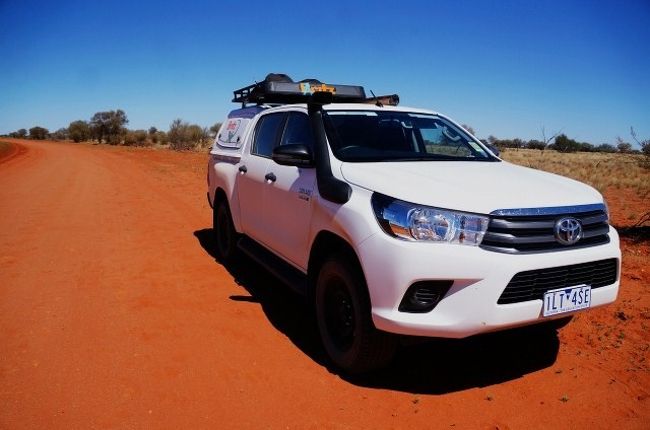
344,321
224,232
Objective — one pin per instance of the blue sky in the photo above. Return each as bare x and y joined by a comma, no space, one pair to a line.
506,68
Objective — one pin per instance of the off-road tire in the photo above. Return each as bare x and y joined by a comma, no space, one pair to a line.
343,315
225,236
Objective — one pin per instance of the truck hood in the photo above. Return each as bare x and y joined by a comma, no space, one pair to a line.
479,187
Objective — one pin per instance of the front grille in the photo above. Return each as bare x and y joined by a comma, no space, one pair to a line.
525,234
532,285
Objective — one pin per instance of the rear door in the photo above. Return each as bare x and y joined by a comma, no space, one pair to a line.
251,182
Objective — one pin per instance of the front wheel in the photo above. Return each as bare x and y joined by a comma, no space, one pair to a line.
225,235
344,322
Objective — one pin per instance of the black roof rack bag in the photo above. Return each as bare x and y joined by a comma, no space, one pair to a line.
278,88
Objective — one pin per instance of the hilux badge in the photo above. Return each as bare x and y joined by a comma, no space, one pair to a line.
568,231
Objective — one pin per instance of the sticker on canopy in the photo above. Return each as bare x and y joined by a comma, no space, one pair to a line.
231,133
233,126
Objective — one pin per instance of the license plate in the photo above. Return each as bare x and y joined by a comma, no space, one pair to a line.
564,300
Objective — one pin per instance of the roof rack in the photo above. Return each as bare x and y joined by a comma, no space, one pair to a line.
280,89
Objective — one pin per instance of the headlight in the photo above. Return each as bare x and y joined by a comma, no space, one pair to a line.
423,223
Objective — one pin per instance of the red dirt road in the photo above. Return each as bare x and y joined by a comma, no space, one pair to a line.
114,314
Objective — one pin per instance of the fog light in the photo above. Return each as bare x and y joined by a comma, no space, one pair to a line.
423,296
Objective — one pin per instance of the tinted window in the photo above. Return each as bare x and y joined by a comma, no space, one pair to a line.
298,130
267,133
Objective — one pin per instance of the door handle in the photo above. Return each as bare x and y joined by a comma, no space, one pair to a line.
243,169
270,177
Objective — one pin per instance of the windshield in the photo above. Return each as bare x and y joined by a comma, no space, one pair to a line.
367,136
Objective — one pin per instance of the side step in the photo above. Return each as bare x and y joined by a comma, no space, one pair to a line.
286,273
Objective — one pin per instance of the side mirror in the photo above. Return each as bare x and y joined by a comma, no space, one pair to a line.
297,154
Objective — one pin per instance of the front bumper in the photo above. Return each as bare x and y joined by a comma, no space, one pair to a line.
470,307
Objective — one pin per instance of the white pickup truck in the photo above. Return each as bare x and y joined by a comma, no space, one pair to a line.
395,220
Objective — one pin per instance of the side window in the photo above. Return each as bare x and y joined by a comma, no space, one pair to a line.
298,130
267,134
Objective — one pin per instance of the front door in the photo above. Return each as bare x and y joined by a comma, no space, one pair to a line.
289,199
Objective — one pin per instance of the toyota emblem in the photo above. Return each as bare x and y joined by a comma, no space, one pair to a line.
568,231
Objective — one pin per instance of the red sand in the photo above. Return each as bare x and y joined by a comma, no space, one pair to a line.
114,314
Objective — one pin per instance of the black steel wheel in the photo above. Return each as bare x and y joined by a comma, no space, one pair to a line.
344,322
225,235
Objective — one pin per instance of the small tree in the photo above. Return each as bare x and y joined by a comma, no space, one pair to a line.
38,133
546,140
644,144
564,144
623,146
79,131
109,126
22,133
645,150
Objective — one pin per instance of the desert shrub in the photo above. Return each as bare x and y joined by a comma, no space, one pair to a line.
586,147
535,144
179,137
605,147
60,134
183,135
129,138
135,138
160,137
140,137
